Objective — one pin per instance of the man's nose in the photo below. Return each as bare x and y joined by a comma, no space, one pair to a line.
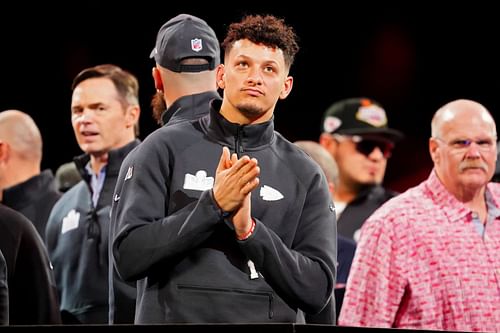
254,77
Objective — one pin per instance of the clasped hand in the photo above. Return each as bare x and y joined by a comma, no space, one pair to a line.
235,179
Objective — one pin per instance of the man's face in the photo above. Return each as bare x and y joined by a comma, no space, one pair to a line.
361,159
100,122
255,77
465,153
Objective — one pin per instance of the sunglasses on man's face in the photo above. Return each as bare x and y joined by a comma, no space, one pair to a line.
366,145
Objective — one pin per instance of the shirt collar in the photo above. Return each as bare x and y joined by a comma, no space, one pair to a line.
454,208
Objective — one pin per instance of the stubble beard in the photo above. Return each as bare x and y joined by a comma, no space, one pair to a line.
250,111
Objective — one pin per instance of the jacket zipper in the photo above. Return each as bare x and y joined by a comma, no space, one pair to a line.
238,141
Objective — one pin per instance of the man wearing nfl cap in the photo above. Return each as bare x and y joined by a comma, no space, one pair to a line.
356,133
186,56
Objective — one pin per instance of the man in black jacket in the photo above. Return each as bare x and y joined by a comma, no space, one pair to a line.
23,186
356,134
186,56
104,114
243,236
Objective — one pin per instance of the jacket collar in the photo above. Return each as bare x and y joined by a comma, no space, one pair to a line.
18,195
250,137
189,107
115,158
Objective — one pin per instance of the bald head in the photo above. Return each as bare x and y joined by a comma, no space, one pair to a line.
21,133
461,110
322,157
463,148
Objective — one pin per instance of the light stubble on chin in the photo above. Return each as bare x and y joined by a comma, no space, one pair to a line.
250,111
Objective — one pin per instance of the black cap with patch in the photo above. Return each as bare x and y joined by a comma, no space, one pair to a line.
358,116
186,36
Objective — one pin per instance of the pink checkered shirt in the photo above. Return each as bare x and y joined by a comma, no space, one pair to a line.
422,264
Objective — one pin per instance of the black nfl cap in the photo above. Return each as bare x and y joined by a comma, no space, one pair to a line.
186,36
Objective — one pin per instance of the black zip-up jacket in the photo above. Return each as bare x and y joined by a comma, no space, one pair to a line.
189,107
34,198
32,289
77,241
169,233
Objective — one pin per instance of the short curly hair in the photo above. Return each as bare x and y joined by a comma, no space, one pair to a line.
268,30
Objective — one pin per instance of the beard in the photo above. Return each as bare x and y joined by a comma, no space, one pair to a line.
158,106
250,111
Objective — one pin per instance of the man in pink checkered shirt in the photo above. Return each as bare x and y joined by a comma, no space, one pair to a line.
430,257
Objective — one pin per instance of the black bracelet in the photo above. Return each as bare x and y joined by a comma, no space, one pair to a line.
225,214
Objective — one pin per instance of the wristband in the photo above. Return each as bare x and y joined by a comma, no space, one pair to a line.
225,214
249,233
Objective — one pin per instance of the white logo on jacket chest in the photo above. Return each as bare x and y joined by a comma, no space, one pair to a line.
270,194
198,182
70,221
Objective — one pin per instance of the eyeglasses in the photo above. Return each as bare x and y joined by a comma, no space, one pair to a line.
461,145
366,145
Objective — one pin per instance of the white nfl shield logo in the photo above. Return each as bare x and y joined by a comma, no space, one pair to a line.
196,45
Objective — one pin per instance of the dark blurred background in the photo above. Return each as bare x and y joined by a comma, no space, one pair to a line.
412,59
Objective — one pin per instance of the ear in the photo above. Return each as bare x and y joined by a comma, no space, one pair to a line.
132,115
4,152
157,78
433,149
287,87
327,141
221,76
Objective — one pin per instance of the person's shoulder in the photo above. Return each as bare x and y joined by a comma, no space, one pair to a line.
8,214
401,207
494,188
388,193
171,132
296,157
284,146
17,223
71,195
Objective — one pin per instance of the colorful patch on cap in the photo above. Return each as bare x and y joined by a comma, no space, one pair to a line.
196,45
372,114
331,124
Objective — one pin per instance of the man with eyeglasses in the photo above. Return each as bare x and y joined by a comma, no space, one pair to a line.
429,259
356,133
